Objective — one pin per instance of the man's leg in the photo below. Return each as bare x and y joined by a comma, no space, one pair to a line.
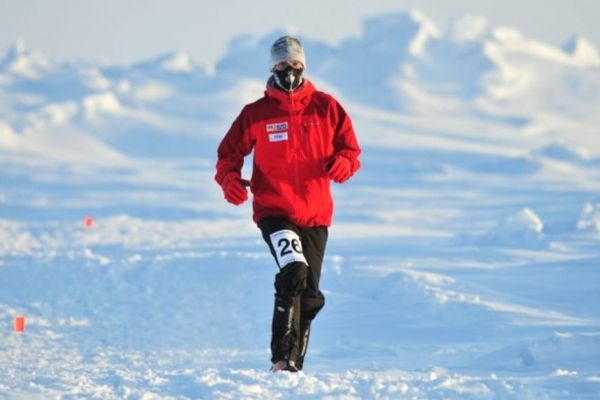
289,284
314,241
286,246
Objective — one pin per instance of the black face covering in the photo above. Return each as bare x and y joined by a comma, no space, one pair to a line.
289,78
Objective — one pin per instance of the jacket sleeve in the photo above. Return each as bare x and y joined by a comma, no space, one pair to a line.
236,145
345,143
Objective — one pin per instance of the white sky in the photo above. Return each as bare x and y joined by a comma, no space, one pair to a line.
123,31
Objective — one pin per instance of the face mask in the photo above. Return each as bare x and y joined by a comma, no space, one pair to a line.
289,78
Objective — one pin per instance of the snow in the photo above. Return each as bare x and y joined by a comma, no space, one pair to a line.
462,263
590,218
468,28
523,226
180,62
583,51
25,63
107,103
427,30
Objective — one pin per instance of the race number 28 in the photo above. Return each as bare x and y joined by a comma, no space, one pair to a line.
287,246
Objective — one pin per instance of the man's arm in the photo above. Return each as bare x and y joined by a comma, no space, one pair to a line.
236,145
344,162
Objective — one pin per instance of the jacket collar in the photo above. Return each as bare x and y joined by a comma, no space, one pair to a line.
299,96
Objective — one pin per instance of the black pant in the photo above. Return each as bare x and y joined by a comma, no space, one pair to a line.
298,299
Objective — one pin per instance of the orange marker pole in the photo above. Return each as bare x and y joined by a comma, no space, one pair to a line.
19,324
88,222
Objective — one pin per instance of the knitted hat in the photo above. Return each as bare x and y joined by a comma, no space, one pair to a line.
287,48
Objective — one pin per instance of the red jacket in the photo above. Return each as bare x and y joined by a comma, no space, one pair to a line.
294,136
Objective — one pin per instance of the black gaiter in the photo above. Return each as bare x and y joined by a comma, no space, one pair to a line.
289,78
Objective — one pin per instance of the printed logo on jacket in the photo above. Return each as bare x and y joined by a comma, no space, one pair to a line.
277,131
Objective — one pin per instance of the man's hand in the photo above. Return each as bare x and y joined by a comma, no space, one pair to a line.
234,189
339,169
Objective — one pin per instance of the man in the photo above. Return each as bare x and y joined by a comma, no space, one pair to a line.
302,139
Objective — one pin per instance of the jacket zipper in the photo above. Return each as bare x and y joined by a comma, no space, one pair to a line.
295,148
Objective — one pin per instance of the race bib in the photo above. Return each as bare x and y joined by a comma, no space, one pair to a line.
288,247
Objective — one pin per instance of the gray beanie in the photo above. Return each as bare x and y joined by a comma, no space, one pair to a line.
287,48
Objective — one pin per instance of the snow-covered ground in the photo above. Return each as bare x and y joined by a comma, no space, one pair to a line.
464,260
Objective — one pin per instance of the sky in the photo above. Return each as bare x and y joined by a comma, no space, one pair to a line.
124,31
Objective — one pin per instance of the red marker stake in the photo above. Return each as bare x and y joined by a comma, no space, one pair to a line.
19,324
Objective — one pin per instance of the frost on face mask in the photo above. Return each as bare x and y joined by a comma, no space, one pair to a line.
289,78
